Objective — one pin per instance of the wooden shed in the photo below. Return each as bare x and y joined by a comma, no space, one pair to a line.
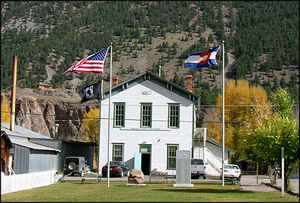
5,147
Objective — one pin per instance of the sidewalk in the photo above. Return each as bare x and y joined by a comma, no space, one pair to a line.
249,182
294,184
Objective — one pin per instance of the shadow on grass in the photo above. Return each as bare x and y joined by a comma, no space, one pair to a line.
86,183
197,190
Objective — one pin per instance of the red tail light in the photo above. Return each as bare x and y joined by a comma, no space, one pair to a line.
225,170
116,169
104,168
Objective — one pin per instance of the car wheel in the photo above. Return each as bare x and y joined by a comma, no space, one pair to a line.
204,177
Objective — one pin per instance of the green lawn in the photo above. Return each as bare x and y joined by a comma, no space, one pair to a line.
118,191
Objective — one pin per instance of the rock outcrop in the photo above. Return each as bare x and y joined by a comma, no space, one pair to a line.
51,117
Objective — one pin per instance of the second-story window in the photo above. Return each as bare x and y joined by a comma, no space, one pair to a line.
173,119
146,115
119,115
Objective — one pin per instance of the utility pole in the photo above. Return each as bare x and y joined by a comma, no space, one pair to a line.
13,94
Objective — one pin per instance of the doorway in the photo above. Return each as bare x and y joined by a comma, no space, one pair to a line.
145,150
146,163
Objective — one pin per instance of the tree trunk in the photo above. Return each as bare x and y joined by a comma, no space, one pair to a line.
287,175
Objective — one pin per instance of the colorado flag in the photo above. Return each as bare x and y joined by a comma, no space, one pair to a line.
202,59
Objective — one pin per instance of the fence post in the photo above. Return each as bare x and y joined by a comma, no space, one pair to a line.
282,171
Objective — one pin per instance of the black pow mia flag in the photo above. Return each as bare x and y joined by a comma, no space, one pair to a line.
91,92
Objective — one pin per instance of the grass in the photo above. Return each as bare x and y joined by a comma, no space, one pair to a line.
119,192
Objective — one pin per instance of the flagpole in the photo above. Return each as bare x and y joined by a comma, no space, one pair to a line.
223,116
100,100
108,135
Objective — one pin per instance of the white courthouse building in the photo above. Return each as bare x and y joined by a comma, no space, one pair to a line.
151,118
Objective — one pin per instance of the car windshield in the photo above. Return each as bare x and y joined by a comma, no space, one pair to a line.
229,167
116,163
236,167
75,160
197,161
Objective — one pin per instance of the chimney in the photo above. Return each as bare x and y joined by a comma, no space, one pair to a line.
189,83
115,81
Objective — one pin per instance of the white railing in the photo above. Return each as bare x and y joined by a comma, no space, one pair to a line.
214,162
18,182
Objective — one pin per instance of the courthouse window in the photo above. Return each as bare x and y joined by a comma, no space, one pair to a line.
117,153
171,159
119,115
146,115
173,119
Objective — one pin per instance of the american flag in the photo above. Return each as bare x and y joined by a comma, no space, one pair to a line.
91,64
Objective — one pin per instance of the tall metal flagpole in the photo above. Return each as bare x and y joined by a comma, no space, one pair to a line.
100,100
223,116
108,135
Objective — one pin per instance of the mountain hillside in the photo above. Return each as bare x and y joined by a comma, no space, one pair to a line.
261,41
261,44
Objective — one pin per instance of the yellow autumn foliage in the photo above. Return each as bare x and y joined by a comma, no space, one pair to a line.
5,109
245,108
91,129
91,126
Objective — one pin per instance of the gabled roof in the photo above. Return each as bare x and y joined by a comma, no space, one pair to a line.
21,132
198,136
155,79
30,145
20,136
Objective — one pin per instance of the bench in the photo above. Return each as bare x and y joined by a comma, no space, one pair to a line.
90,176
161,174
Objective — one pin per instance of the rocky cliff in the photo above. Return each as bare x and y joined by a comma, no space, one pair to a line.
52,116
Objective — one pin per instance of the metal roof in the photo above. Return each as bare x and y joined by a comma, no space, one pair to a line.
26,143
22,132
198,136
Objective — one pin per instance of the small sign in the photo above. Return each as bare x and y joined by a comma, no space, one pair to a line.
146,93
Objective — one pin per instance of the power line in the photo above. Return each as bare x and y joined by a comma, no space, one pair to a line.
137,119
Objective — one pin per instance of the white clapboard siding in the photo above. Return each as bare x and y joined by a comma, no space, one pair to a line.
159,135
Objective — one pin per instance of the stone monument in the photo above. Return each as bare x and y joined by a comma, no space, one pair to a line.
183,169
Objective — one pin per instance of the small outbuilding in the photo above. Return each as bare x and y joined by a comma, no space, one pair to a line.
5,147
26,156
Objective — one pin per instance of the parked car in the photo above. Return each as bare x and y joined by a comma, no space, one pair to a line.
117,169
198,168
232,171
75,165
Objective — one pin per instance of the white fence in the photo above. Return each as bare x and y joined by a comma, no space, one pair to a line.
14,183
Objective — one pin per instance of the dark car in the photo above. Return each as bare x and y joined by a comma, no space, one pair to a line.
117,169
74,165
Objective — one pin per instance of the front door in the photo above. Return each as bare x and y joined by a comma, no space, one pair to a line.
145,150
